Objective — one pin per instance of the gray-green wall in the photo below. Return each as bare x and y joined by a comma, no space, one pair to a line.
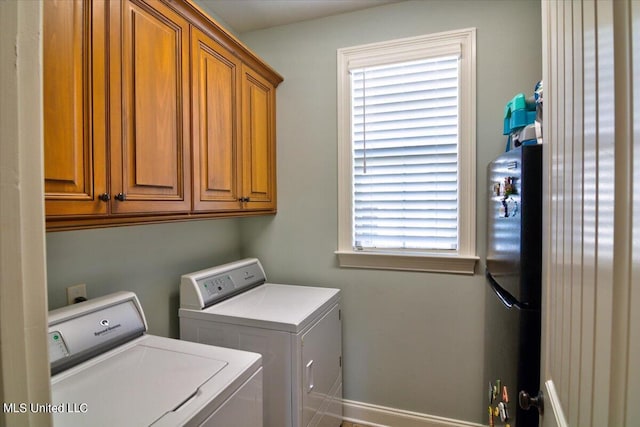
413,341
145,259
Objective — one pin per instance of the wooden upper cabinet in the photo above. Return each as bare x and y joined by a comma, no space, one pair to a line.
126,83
233,131
74,107
149,101
216,125
258,141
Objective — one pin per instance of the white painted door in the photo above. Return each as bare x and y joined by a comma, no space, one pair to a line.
591,269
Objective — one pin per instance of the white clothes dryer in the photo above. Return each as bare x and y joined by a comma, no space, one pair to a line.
107,371
297,329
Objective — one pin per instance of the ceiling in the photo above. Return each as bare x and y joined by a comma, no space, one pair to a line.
249,15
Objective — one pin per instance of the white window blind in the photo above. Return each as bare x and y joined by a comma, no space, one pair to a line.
405,155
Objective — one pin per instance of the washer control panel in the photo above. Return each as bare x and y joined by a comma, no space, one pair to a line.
206,287
81,331
57,347
215,286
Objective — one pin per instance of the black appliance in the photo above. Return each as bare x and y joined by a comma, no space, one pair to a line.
513,271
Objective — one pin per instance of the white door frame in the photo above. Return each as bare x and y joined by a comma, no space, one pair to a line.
24,375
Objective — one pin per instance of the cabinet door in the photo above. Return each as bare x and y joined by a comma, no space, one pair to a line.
74,107
216,131
150,147
258,141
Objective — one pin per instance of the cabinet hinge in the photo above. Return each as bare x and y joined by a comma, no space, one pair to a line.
340,314
340,361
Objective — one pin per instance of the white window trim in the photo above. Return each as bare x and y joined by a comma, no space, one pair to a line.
407,49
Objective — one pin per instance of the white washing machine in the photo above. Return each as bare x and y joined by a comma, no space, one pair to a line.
106,371
297,329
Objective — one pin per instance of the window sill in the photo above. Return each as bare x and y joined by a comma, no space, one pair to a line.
435,263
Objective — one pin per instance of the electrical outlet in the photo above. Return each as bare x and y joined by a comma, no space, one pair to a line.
76,291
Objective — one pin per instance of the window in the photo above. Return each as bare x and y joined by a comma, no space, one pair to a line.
406,123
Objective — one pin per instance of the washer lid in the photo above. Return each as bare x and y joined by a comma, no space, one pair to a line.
134,387
270,306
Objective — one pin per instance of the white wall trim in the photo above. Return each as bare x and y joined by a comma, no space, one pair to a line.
452,264
555,405
381,416
462,41
24,363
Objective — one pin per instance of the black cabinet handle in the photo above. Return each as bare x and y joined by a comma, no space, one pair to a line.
121,197
105,197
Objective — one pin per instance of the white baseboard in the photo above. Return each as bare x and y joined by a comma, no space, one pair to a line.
381,416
